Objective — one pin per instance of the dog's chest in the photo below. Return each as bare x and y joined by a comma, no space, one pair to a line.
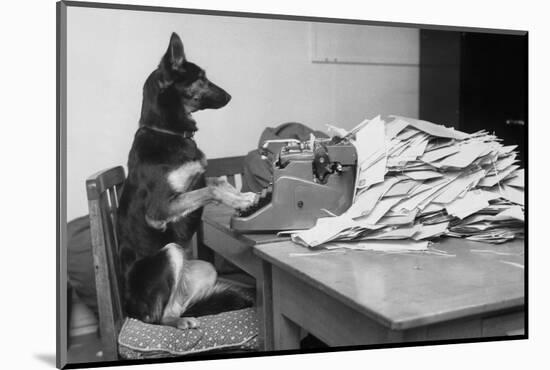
182,177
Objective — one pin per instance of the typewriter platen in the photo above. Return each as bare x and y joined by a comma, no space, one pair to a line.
311,179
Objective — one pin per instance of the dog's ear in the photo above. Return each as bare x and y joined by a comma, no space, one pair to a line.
175,56
172,61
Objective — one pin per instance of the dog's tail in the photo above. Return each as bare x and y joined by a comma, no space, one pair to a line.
224,296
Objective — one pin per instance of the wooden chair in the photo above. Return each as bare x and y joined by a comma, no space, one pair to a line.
103,191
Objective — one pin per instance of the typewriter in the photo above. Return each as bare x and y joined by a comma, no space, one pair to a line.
311,179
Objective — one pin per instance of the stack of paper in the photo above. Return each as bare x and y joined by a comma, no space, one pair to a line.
417,180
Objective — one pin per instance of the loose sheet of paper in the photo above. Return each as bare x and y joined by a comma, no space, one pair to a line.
382,245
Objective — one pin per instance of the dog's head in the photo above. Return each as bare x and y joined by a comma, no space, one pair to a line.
178,88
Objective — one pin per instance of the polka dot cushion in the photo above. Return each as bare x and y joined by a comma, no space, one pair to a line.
229,330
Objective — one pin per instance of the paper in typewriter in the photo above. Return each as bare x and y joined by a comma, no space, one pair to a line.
417,180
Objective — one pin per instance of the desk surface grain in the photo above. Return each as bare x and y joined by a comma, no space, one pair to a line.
404,291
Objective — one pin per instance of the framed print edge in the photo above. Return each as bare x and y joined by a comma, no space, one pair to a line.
61,195
62,286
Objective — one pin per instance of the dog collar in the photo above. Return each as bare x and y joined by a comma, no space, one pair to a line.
184,134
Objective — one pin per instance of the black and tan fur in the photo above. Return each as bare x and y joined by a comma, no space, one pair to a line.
161,203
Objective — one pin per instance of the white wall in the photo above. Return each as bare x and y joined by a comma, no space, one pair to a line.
264,64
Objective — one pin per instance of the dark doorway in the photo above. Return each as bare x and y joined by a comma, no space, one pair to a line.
476,81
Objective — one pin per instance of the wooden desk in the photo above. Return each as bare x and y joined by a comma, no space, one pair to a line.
365,297
216,236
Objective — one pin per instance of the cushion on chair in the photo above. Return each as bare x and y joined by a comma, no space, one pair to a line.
236,330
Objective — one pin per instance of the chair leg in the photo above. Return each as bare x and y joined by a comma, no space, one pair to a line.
109,345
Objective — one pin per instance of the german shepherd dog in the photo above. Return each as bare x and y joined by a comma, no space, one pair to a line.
162,199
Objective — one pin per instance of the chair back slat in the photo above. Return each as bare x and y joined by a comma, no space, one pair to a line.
103,190
230,167
109,212
118,192
224,166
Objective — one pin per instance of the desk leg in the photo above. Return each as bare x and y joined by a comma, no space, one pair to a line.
264,304
286,333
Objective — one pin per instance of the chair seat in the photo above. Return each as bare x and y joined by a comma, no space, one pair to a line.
233,330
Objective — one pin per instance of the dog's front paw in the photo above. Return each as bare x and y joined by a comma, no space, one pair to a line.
250,199
245,200
228,195
188,323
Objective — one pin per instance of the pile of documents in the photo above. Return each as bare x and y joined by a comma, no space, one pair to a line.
417,180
